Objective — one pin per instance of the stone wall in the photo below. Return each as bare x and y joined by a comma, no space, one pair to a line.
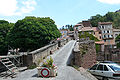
84,53
35,57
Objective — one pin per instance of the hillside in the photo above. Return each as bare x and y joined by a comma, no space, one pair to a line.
108,17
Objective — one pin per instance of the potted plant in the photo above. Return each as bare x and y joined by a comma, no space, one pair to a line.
51,68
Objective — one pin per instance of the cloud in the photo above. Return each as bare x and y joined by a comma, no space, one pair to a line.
11,8
28,6
110,1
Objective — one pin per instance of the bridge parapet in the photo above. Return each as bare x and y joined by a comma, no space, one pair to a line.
36,56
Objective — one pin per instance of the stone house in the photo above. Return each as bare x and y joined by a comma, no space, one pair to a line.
116,32
107,34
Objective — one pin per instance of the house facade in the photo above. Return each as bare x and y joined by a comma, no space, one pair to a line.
107,34
116,32
64,34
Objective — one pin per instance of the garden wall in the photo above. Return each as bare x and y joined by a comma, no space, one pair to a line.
84,53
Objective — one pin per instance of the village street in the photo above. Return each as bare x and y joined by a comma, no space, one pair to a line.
64,72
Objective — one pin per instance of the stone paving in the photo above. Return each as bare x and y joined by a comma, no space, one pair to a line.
64,72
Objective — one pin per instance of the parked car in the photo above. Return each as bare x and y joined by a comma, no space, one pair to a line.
106,71
111,62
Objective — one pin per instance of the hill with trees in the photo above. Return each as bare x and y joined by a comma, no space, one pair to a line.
113,17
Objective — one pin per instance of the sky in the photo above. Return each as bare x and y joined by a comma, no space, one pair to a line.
63,12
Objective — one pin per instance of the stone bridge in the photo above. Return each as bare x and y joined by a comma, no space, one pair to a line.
65,72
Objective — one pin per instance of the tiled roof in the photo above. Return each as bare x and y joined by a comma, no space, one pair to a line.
104,23
99,42
86,23
95,28
86,29
78,25
116,29
63,29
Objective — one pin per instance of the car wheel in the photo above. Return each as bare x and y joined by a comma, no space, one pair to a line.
105,78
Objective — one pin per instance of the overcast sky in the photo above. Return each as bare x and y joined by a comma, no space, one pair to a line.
61,11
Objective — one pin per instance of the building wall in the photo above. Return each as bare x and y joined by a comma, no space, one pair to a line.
116,33
98,35
64,34
109,42
107,34
85,54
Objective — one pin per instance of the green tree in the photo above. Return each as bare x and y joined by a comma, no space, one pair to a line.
5,27
32,33
117,40
113,17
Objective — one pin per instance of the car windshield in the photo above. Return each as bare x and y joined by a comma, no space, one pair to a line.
115,67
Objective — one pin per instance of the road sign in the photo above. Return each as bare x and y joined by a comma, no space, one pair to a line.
45,72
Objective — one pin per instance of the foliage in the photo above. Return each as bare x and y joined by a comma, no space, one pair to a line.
32,33
117,39
5,27
48,63
32,66
109,17
86,35
97,48
70,27
76,67
84,49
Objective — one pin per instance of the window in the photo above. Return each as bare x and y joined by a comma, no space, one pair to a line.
107,31
114,68
100,67
108,36
104,40
105,68
100,37
103,27
94,67
104,36
65,31
104,31
99,32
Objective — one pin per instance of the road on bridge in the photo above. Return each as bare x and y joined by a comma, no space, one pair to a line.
60,60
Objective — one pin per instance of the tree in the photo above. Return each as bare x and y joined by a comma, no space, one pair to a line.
5,27
117,40
113,17
32,33
70,27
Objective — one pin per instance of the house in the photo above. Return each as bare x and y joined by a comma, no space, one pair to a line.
97,33
64,33
116,32
71,34
86,24
107,34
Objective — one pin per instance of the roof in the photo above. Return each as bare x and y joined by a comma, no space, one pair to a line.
63,29
116,29
104,23
86,23
95,28
86,29
78,25
99,42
